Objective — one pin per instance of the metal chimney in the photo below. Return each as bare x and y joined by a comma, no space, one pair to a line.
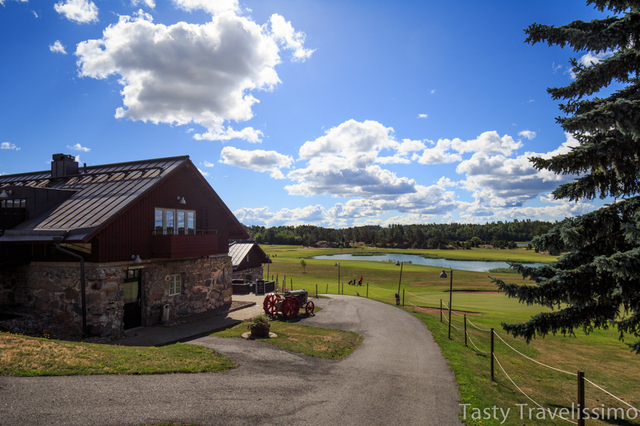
63,165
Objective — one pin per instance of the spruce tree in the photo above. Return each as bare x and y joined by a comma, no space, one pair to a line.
597,283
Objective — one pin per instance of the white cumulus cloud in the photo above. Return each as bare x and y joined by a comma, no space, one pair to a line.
488,143
22,1
501,182
291,39
438,154
57,47
78,147
8,145
254,216
187,73
592,58
149,3
212,6
341,177
258,160
351,139
80,11
528,134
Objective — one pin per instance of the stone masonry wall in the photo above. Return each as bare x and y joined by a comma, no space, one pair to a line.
12,279
205,285
256,274
55,287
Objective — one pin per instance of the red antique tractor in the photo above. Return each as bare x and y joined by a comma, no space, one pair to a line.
289,303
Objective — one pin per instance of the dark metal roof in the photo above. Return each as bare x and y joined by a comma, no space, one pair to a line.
100,193
239,251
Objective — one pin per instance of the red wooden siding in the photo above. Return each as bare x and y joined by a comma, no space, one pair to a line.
177,246
132,232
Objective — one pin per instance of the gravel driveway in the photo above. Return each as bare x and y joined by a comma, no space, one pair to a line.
397,376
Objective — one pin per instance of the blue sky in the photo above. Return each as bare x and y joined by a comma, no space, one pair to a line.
326,112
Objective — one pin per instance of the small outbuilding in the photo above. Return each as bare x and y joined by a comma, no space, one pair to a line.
247,260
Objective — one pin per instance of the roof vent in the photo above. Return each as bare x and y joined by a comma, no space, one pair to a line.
63,165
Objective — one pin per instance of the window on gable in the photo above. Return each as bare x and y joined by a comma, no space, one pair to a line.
181,214
169,221
14,203
169,225
191,223
159,221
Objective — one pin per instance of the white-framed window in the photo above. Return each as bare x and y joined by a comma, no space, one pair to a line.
175,284
170,221
17,203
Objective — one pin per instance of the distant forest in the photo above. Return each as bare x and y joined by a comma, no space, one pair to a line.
430,236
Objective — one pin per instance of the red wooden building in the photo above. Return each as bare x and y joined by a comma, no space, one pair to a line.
115,246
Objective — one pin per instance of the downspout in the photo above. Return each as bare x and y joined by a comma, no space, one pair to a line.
57,240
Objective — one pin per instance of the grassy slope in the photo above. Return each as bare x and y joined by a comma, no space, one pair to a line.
30,356
604,359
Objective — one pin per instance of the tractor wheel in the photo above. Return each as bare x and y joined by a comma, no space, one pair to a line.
295,307
270,304
290,307
310,307
285,308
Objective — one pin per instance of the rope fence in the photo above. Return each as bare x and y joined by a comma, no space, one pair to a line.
632,412
611,395
452,311
531,359
444,308
522,392
477,348
447,319
478,328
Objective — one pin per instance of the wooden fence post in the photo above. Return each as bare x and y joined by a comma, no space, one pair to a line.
465,330
367,290
403,297
440,310
492,378
580,397
316,291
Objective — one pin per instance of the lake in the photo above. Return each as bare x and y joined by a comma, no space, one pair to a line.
463,265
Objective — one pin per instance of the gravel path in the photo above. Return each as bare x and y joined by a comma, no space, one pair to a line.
397,376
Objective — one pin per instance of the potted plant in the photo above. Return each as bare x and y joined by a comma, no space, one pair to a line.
259,326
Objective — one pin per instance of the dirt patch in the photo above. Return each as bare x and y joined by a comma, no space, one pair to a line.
437,310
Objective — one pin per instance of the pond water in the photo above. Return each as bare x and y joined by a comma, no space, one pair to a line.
463,265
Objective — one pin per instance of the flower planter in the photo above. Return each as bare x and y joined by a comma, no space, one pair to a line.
260,331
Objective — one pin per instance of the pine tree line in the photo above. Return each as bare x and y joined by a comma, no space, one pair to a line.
421,236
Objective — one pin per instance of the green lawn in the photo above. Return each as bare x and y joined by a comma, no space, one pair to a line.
314,341
603,358
31,356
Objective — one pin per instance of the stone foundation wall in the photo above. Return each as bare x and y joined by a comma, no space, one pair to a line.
12,279
205,285
256,274
55,287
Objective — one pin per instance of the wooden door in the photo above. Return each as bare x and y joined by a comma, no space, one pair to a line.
132,299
